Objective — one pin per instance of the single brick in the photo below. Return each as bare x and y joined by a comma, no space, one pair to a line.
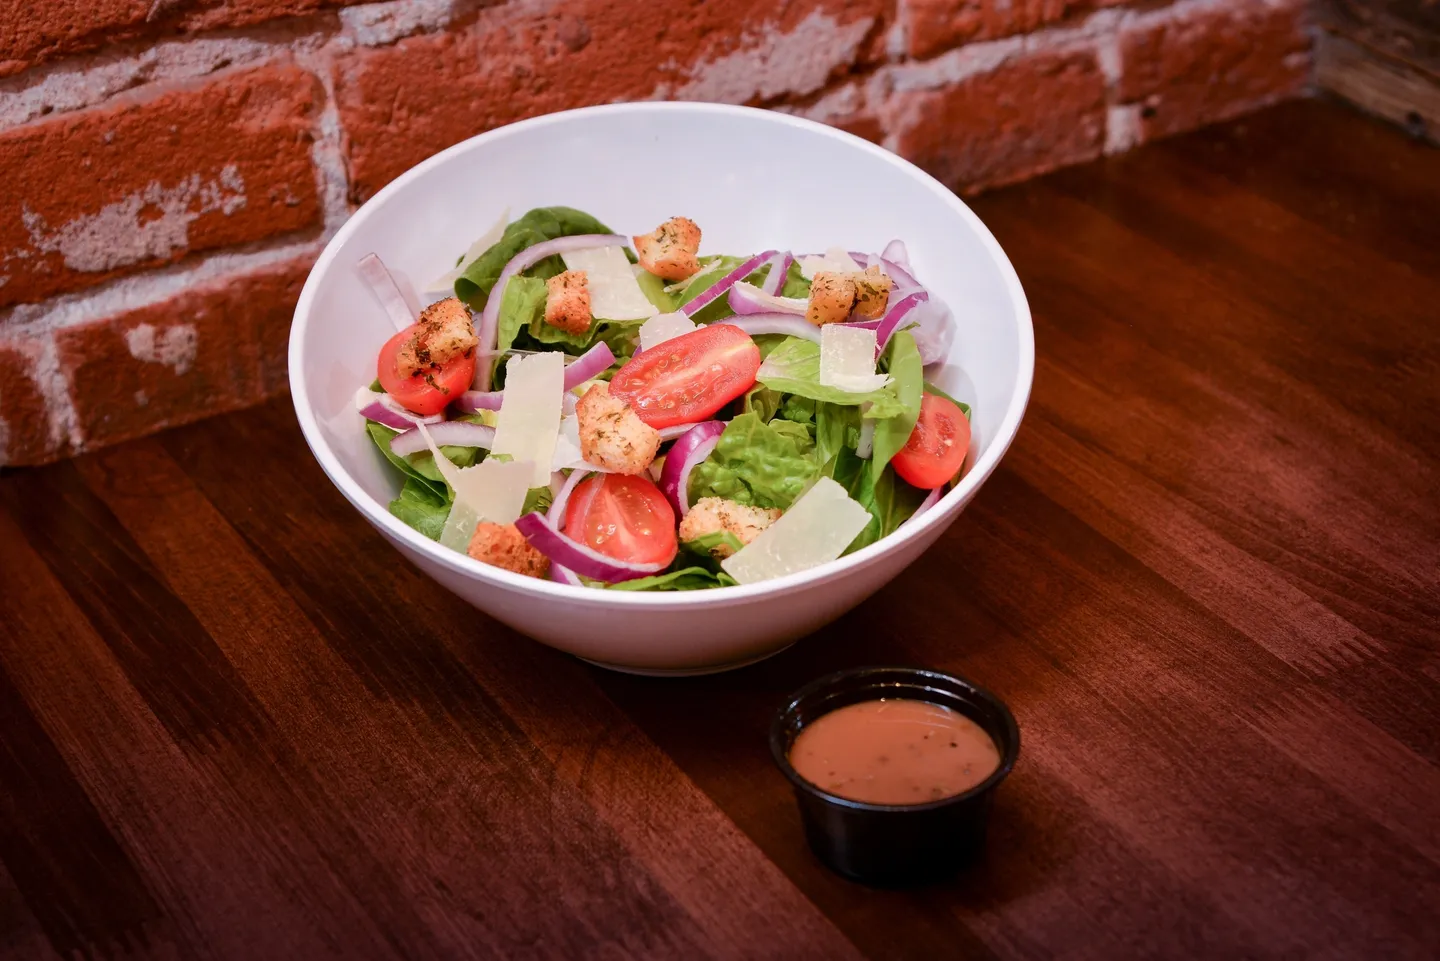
932,26
402,103
1194,66
114,189
206,350
24,424
1031,114
36,32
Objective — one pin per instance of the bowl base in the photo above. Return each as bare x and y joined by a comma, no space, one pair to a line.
687,671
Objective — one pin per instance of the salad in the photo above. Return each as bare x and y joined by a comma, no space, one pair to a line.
626,413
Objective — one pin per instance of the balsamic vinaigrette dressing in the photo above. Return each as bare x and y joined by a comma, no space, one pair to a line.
894,751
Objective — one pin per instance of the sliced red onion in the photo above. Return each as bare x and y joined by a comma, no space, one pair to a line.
899,273
556,514
592,363
692,448
490,316
791,326
568,403
725,283
672,433
384,409
866,324
476,400
896,253
402,310
577,557
746,299
564,575
779,268
454,433
935,332
897,314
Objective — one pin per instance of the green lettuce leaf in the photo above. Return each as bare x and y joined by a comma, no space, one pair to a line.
540,224
654,290
932,389
907,379
766,465
686,579
794,368
762,401
889,499
522,304
537,499
422,507
837,428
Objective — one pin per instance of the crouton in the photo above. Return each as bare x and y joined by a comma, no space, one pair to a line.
567,302
835,296
502,545
832,297
612,435
872,292
669,252
710,515
443,333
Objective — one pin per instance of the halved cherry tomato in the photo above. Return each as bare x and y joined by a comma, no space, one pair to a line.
937,446
419,393
623,517
690,377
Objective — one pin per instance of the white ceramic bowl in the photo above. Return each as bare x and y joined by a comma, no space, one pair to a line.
753,180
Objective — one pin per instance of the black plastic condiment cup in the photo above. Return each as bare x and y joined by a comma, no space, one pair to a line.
895,844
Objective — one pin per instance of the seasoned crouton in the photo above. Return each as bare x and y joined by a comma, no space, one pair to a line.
443,333
835,296
710,515
832,297
669,252
502,545
872,292
567,302
612,435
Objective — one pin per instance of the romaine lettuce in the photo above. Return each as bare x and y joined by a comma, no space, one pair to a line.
907,380
794,368
540,224
766,465
686,579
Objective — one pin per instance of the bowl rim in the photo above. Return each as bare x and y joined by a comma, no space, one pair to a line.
402,534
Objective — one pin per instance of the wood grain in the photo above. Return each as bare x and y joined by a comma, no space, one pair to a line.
1206,578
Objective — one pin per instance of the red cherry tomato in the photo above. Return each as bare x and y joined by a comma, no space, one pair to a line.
623,517
418,393
937,446
690,377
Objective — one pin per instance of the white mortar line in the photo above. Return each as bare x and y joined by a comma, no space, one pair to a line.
140,290
327,154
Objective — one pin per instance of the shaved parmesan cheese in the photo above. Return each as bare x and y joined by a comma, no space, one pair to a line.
528,424
847,359
615,294
490,491
491,237
835,261
663,327
817,528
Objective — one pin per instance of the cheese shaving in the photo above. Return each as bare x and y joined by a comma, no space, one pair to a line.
615,294
817,529
528,425
489,491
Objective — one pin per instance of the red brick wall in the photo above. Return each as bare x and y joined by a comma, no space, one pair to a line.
171,167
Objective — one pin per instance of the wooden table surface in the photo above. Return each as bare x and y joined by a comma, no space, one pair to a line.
234,724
